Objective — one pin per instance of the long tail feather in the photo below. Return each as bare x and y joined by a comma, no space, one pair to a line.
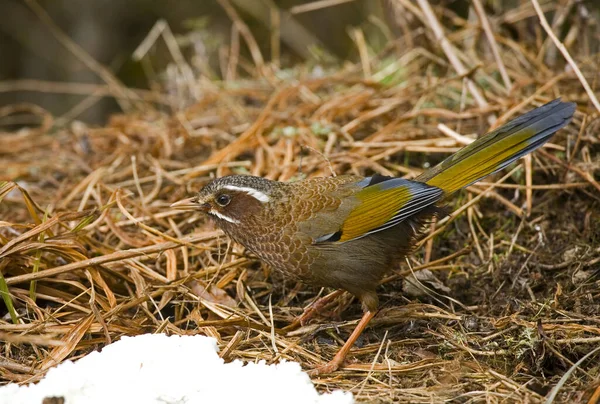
499,148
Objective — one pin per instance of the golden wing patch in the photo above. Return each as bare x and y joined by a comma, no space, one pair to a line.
386,204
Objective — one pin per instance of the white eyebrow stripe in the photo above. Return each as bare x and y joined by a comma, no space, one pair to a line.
222,216
256,194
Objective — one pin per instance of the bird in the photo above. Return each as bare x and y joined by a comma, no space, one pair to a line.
347,232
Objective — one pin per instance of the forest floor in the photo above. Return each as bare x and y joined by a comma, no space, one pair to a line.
501,304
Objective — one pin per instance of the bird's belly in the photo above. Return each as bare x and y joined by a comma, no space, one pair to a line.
355,265
350,268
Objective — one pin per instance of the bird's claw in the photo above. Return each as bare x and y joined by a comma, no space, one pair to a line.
329,367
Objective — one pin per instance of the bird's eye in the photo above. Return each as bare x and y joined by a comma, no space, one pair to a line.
223,199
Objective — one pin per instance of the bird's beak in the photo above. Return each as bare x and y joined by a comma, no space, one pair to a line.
189,204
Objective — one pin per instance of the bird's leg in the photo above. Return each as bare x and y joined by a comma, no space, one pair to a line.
313,309
340,356
317,306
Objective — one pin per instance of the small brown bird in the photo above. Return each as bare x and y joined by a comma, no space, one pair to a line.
346,232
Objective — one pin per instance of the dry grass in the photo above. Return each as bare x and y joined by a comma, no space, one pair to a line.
91,251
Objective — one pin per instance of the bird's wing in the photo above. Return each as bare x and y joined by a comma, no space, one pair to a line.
383,202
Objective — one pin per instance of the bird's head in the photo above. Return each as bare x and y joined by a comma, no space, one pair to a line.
231,200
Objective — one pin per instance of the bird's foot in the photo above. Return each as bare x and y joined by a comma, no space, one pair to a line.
312,310
329,367
340,356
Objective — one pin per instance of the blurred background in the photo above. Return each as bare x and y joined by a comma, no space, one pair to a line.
40,41
111,30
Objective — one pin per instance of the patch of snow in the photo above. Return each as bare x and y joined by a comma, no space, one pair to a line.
156,368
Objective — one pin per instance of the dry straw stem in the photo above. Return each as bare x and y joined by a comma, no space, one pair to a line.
317,5
122,93
504,304
438,31
246,34
485,24
565,52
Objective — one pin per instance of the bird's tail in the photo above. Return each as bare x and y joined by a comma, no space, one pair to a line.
499,148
